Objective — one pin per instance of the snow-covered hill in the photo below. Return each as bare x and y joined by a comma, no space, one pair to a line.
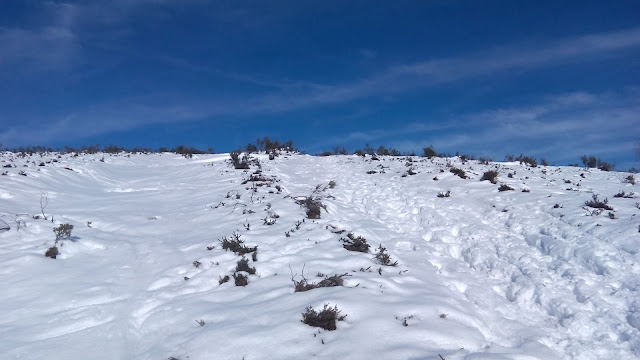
529,273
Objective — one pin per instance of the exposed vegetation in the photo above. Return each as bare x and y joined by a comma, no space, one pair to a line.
458,172
491,176
325,318
597,203
384,258
355,243
595,162
236,244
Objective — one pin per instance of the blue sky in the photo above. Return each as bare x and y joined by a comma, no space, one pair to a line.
552,79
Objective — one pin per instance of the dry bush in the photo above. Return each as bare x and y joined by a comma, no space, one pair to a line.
490,176
239,162
325,318
459,172
63,231
353,243
383,257
240,279
629,180
236,244
52,252
243,265
597,204
329,281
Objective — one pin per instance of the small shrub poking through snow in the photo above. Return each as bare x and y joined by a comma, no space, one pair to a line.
325,318
331,281
239,163
63,231
505,187
52,252
243,265
240,279
313,206
490,176
597,204
353,243
459,172
383,257
236,244
443,195
223,280
630,180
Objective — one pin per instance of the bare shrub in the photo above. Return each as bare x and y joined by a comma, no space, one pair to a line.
485,160
313,206
236,244
505,187
44,201
595,162
239,162
429,152
630,180
240,279
63,231
243,265
224,279
328,281
459,172
527,160
597,204
325,318
353,243
52,252
443,195
383,257
490,176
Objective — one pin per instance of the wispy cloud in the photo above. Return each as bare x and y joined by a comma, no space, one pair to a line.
442,71
57,45
559,127
50,48
402,78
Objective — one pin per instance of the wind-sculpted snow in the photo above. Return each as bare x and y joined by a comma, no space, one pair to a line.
481,274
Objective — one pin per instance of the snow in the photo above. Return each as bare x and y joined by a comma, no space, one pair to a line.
481,274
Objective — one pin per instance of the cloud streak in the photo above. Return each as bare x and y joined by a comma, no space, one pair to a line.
60,45
574,123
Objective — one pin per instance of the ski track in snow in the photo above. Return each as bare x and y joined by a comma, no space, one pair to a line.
512,276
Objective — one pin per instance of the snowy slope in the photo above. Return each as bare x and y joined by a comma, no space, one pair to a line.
481,274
